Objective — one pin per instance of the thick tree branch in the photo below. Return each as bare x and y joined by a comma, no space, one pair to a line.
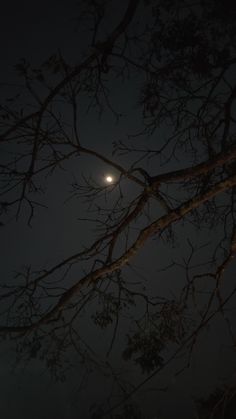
154,228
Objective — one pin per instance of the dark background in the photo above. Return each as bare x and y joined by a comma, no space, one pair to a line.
35,30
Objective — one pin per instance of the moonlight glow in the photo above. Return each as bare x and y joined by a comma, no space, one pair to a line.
109,179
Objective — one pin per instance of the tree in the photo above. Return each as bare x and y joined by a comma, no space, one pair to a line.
177,60
220,404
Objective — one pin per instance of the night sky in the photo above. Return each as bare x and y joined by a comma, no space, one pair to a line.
34,31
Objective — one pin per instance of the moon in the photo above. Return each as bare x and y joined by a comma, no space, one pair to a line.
109,179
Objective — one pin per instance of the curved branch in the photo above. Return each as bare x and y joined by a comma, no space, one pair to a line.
155,227
203,168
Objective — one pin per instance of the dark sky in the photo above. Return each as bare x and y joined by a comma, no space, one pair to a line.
34,30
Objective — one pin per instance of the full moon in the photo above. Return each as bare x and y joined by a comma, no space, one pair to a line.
109,179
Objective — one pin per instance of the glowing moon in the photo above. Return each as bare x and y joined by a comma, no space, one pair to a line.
109,179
